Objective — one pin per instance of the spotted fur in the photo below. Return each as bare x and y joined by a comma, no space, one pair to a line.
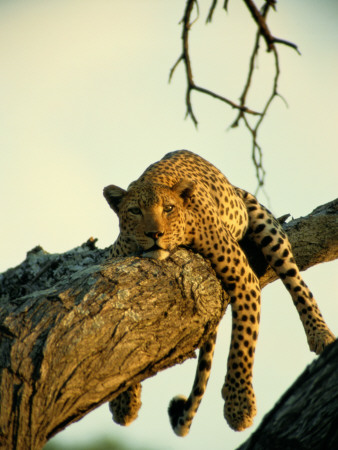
185,200
125,407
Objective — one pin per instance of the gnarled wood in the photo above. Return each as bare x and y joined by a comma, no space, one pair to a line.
70,348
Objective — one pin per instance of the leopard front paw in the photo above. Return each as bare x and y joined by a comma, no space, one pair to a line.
240,406
319,339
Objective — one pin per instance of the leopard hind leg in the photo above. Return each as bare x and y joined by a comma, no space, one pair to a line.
125,406
182,410
267,232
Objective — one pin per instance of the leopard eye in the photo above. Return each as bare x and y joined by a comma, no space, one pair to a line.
136,211
168,208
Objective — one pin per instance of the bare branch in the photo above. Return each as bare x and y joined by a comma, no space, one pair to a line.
263,31
242,108
185,57
257,153
263,27
211,11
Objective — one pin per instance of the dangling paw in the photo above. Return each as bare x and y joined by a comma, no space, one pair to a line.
125,407
319,339
240,406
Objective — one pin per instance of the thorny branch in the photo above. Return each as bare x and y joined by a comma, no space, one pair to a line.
263,31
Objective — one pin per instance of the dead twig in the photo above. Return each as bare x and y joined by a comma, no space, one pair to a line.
185,57
263,27
243,110
211,11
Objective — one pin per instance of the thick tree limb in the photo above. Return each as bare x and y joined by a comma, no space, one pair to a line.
99,326
72,347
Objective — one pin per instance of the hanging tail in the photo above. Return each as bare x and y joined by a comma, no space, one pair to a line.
182,410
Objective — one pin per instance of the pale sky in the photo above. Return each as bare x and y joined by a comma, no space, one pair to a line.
85,102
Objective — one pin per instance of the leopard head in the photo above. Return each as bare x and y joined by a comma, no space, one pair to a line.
152,215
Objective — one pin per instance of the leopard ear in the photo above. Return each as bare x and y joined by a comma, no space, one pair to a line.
113,195
184,188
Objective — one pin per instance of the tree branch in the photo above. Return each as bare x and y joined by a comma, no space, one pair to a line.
88,328
257,154
185,57
67,349
260,18
263,27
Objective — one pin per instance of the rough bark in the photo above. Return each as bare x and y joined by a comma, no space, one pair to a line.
72,347
76,329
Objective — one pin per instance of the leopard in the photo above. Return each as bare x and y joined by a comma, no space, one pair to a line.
184,200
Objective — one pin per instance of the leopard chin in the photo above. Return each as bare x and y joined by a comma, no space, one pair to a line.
159,253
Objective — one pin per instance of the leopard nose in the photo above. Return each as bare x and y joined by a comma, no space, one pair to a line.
154,234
